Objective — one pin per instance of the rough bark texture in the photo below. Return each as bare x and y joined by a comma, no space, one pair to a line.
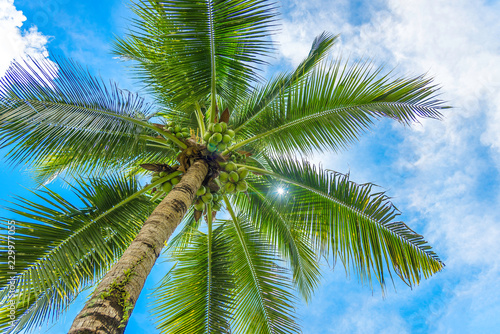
109,308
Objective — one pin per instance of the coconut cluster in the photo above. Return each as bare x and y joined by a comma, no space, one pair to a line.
218,137
166,186
238,157
179,132
233,178
205,197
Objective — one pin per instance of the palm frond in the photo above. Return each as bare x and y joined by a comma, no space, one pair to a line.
264,298
355,223
329,109
196,295
52,109
266,213
63,164
62,248
260,98
189,49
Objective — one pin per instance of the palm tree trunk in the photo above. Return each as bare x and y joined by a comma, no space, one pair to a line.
109,308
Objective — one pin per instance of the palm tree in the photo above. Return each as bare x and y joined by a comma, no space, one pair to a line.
225,142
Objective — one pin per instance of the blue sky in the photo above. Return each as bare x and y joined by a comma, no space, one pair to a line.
443,176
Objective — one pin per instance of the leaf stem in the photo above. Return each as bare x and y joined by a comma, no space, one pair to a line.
199,117
99,111
140,192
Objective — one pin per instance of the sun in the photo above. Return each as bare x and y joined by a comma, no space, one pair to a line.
281,191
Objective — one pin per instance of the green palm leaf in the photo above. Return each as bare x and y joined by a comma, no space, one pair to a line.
62,248
355,223
189,49
196,295
74,115
272,220
264,298
330,108
256,103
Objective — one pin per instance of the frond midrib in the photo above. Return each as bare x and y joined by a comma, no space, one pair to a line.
349,207
100,111
249,262
284,223
33,266
316,116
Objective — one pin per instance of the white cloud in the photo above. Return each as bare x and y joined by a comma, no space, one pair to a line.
450,169
17,43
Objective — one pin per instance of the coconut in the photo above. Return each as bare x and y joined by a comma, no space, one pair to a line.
226,139
230,187
201,191
230,167
242,172
175,180
211,147
177,128
207,197
217,137
221,147
224,126
242,186
186,134
199,205
212,141
230,133
223,177
207,136
217,127
234,177
166,187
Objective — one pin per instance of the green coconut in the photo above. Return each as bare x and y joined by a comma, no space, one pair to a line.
207,197
199,205
230,187
226,139
217,127
242,186
230,133
221,147
231,166
217,137
243,172
223,177
201,191
166,187
211,147
175,180
234,177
